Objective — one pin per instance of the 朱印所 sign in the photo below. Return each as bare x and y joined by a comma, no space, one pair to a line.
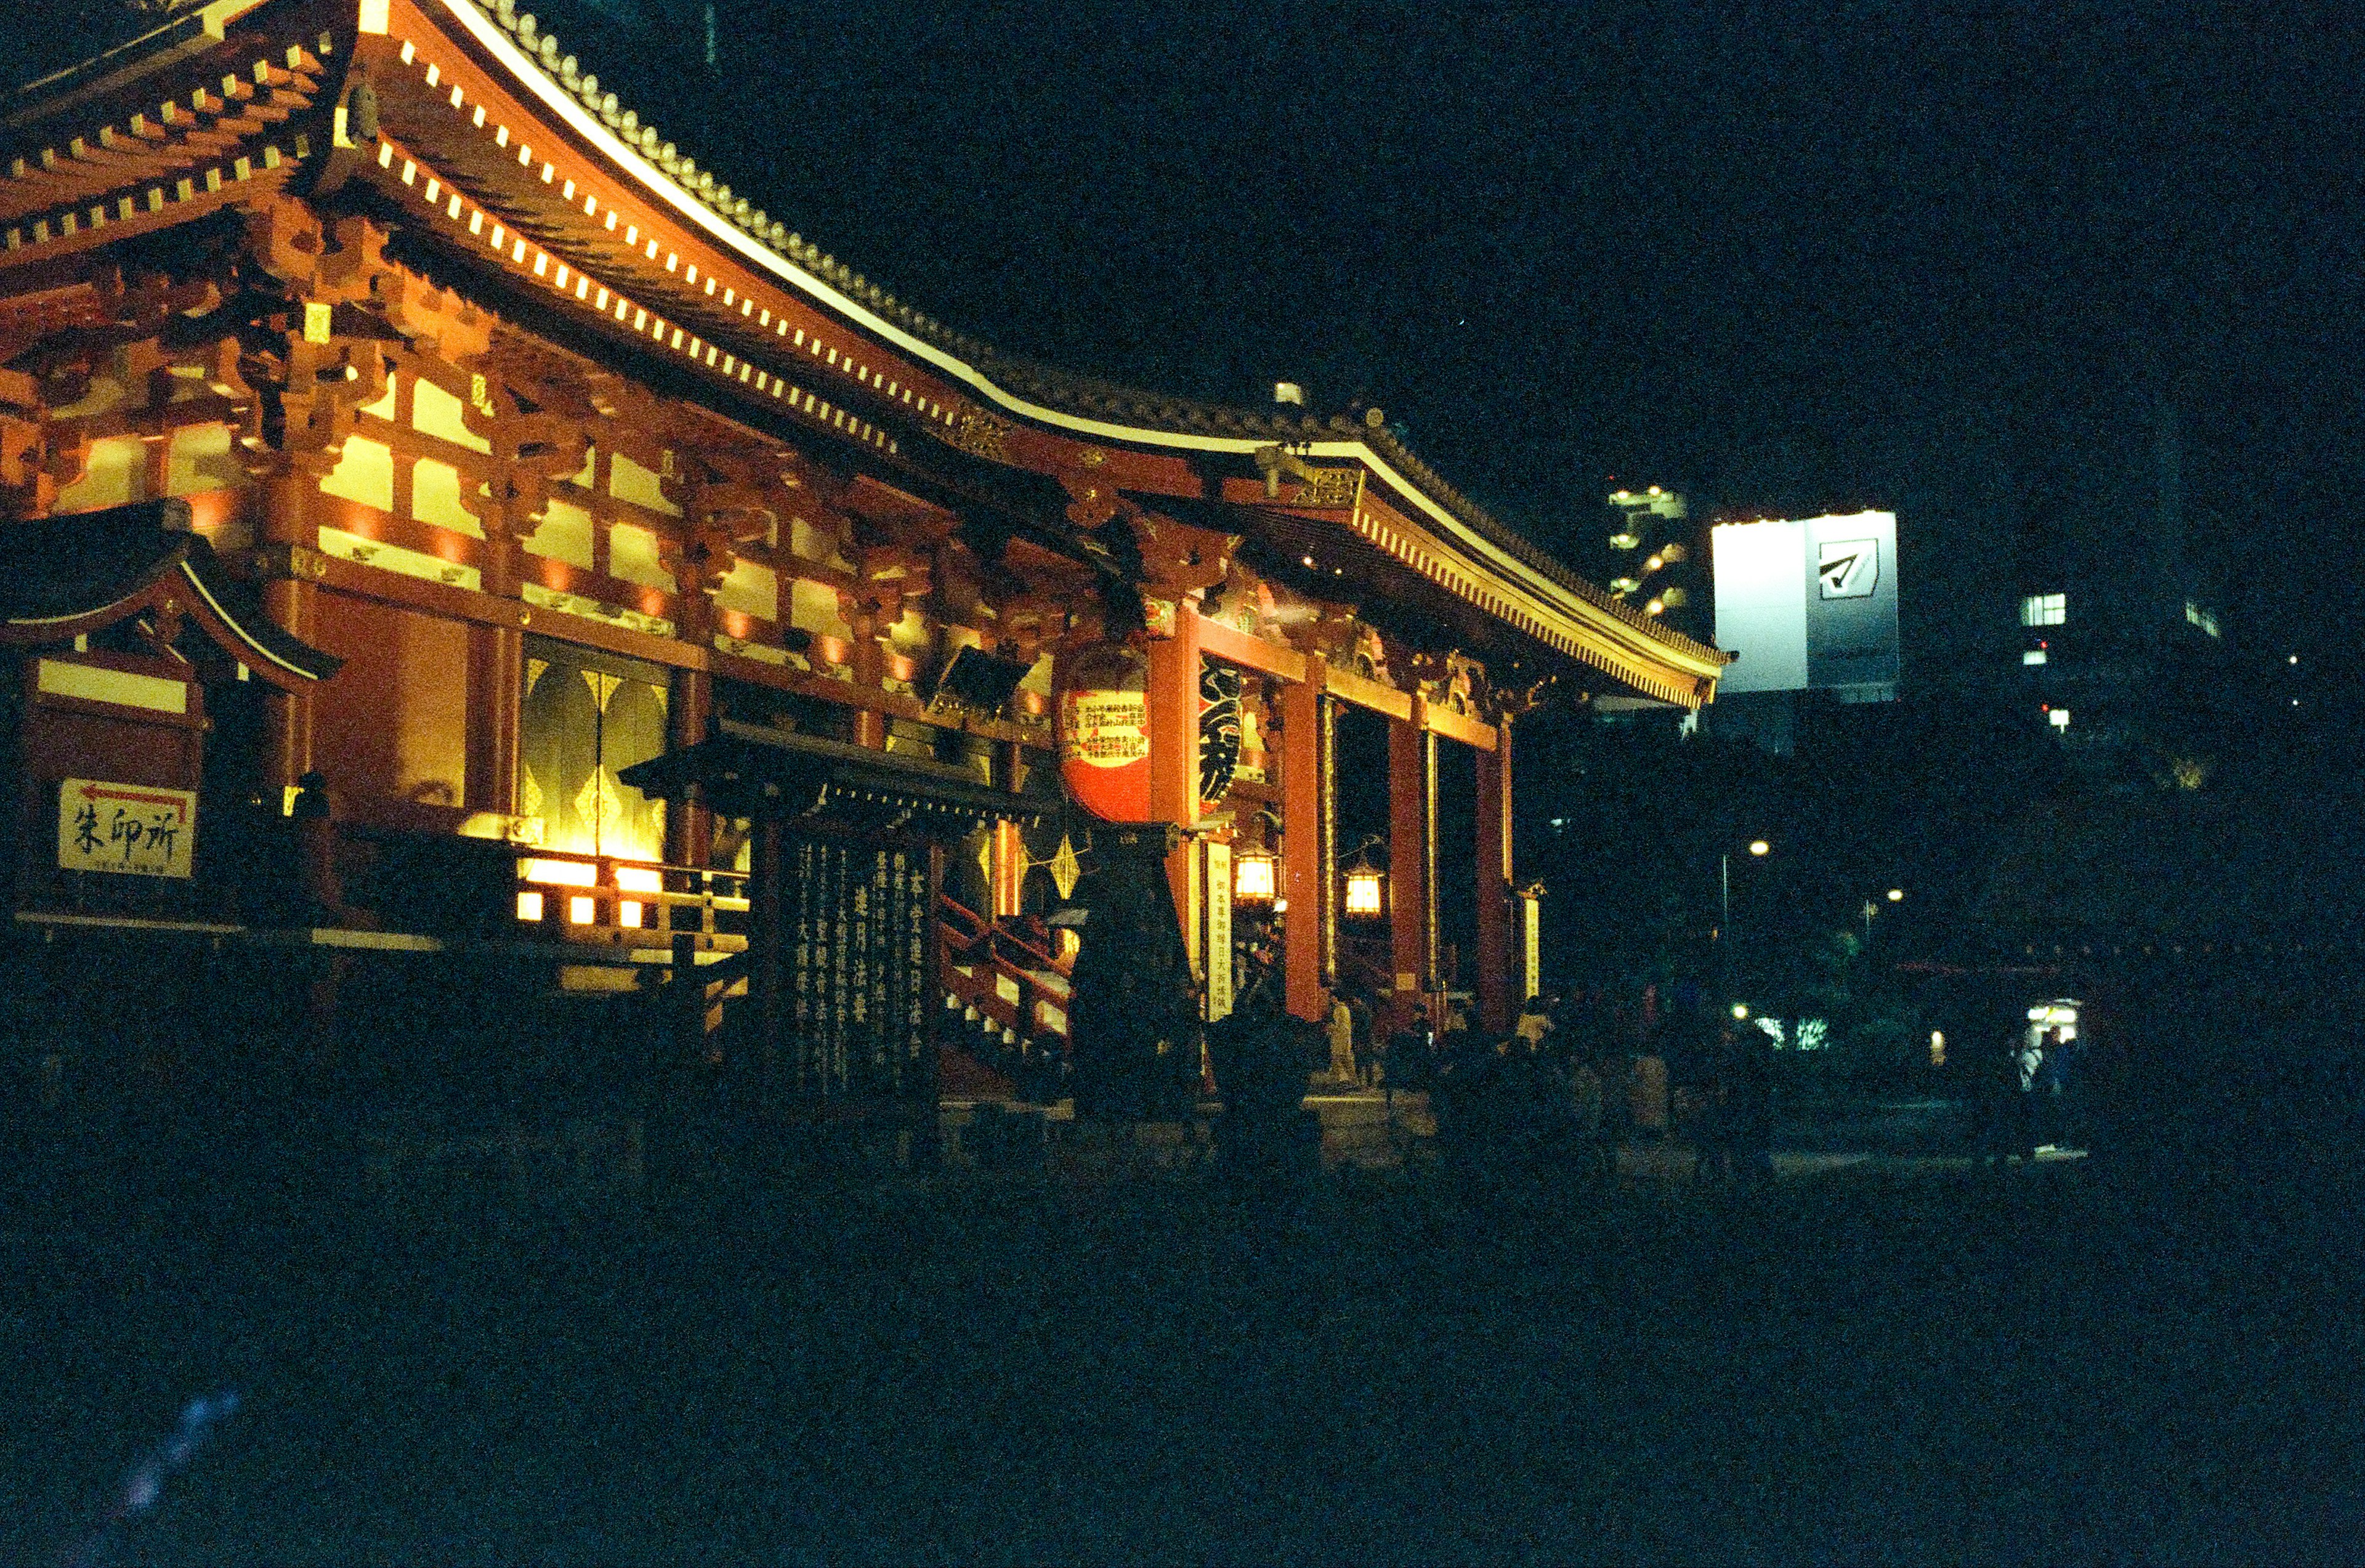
143,830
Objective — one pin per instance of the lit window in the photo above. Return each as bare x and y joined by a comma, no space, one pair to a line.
581,909
2058,718
628,913
529,906
2033,656
2043,609
565,873
640,878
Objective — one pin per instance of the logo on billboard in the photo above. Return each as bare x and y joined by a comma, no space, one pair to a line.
1850,569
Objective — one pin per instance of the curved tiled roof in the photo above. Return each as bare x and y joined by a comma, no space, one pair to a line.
637,133
1082,395
1031,379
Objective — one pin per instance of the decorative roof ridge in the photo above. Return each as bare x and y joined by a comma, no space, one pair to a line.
1386,441
1077,393
1074,392
700,185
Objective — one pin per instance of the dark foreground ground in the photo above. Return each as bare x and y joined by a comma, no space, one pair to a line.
2151,1357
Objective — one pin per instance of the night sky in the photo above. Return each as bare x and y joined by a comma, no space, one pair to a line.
1567,243
1564,243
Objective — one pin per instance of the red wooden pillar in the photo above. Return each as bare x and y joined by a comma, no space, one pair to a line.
1174,760
1497,1006
495,700
496,674
1002,861
1412,773
690,829
1304,807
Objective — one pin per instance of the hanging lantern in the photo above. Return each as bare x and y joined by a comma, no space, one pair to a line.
1366,897
1105,733
1252,877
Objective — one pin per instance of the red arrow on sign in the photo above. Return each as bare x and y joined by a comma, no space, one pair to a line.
181,807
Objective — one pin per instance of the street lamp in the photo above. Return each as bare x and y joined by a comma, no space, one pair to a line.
1758,847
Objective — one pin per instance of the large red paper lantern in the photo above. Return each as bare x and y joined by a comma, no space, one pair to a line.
1105,733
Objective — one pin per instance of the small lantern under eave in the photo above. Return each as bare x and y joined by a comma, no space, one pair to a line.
1366,894
1252,878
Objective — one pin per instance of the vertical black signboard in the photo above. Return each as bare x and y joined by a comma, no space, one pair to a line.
859,962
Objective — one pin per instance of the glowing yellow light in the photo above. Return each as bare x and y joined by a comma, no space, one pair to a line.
1654,562
628,913
1364,893
1759,846
640,878
1656,607
1307,559
1895,895
1253,880
1741,1010
1937,1047
563,873
529,906
581,909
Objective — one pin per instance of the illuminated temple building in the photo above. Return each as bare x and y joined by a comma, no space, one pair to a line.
456,530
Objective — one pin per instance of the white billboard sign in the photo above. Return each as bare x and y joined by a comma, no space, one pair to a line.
1809,604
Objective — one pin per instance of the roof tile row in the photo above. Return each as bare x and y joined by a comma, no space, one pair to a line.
1042,383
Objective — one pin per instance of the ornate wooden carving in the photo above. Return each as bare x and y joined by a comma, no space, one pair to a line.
37,458
980,434
1496,703
1179,562
1331,631
729,500
1453,680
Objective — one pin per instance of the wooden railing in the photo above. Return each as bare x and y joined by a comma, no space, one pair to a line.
999,976
1004,977
596,902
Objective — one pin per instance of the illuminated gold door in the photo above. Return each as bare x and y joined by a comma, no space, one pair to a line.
578,728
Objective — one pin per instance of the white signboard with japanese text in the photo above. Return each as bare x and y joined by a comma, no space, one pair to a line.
1532,947
140,829
1219,931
